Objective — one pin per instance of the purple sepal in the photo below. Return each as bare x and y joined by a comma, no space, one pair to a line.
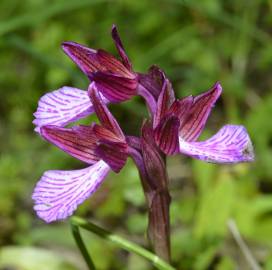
120,48
231,144
79,142
165,100
104,115
114,87
166,135
113,153
193,120
90,60
58,193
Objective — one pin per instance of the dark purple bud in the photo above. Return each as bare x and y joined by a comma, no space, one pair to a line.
154,162
165,100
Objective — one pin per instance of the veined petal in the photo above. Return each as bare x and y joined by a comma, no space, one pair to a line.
90,60
231,144
79,142
165,100
104,115
113,153
194,120
120,48
62,107
167,135
58,193
116,88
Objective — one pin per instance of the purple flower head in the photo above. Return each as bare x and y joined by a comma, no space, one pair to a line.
103,147
174,127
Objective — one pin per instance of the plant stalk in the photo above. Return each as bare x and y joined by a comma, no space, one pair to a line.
121,242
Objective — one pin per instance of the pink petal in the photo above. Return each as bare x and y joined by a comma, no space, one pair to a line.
58,193
62,107
231,144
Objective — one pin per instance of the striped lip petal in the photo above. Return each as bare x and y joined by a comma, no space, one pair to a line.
194,120
231,144
113,153
90,60
104,115
114,87
62,107
167,135
120,48
58,193
79,142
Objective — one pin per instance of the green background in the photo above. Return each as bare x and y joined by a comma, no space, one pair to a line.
196,43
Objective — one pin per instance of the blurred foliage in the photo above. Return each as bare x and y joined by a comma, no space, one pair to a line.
196,43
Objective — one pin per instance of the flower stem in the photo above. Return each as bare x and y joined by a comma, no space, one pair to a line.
82,246
121,242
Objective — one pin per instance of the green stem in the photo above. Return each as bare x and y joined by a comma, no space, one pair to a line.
121,242
82,247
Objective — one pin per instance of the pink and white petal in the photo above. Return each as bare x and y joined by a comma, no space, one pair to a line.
62,107
58,193
231,144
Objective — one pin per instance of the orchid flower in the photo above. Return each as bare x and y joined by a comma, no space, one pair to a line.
179,123
103,147
173,128
115,80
